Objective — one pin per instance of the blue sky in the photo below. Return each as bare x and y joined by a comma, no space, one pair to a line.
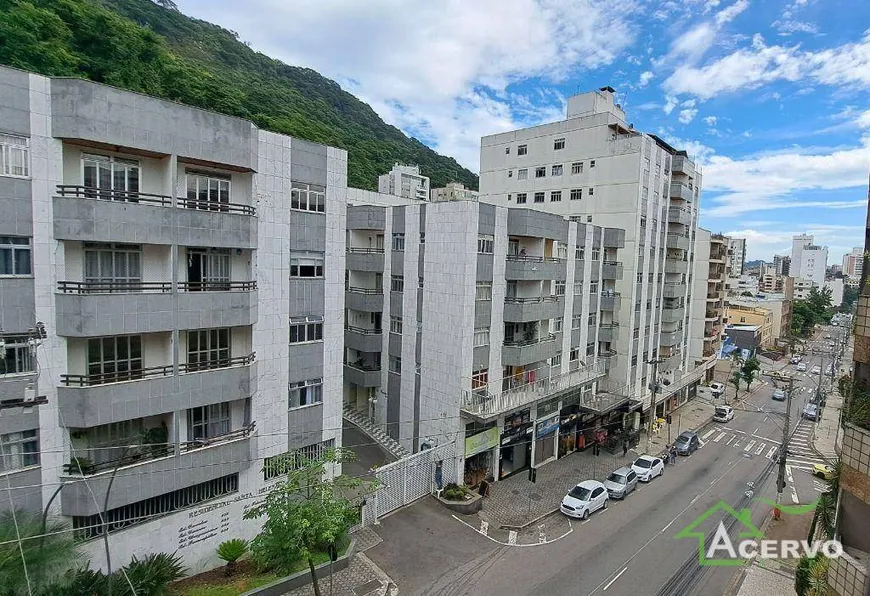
771,98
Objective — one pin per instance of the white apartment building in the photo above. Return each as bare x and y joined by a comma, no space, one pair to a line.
486,327
737,255
802,288
808,260
837,286
454,191
594,168
853,262
406,182
192,306
711,271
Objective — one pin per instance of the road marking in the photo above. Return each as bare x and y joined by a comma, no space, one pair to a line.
719,438
790,478
610,583
771,453
709,433
484,527
734,430
761,447
512,537
801,460
755,431
731,439
769,440
533,544
749,445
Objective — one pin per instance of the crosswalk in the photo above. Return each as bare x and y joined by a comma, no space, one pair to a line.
801,455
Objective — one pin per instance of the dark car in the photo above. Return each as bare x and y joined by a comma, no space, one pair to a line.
687,442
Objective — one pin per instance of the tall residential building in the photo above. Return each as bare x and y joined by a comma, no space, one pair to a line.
406,182
187,268
710,273
837,286
782,264
454,191
808,260
595,168
737,255
853,262
802,287
484,326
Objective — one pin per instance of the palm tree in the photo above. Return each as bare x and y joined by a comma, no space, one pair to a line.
818,577
28,564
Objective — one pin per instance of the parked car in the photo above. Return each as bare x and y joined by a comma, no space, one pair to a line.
827,336
620,482
587,497
687,442
794,360
811,412
816,370
717,389
778,395
648,467
823,471
801,367
723,413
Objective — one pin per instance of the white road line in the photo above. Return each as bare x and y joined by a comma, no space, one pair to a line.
708,434
794,495
731,439
768,439
735,430
484,527
749,445
610,583
719,438
755,431
761,447
771,453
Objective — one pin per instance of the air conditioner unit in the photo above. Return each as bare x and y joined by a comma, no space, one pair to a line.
29,394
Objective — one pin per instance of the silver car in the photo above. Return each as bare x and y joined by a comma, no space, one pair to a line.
620,482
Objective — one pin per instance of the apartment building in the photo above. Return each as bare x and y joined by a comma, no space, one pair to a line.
708,312
595,168
737,255
776,305
801,288
782,265
837,286
186,268
485,326
406,182
808,260
454,191
741,314
853,262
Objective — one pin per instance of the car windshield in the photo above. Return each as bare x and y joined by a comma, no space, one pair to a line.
721,412
682,439
642,463
617,478
578,492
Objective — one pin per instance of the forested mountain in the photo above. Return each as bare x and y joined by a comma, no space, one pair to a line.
141,46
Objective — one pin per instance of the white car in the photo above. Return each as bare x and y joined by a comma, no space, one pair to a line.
717,389
648,467
816,370
801,367
587,497
723,413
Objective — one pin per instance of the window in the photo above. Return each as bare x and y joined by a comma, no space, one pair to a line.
578,288
113,359
556,360
558,144
209,192
206,422
484,244
555,196
591,163
559,288
395,365
561,250
556,170
14,155
209,348
576,194
596,254
523,174
305,393
15,256
591,192
305,329
111,265
557,325
397,283
207,269
580,253
398,241
593,287
592,318
577,167
540,172
590,349
521,198
420,282
481,337
119,178
507,150
395,324
522,149
17,356
306,264
19,450
539,197
480,379
483,291
576,321
636,333
634,360
574,355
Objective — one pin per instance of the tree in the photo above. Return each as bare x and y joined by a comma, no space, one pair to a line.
850,295
736,379
750,367
307,512
32,566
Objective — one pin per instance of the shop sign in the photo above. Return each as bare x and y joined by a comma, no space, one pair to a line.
515,434
548,426
481,442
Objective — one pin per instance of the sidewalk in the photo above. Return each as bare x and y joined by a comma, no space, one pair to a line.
826,434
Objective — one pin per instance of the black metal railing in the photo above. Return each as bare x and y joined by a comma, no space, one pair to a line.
532,300
612,263
219,206
88,380
362,366
217,286
530,341
363,330
188,367
106,194
113,287
359,290
361,250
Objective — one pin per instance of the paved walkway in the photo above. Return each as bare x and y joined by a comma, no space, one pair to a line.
827,435
759,581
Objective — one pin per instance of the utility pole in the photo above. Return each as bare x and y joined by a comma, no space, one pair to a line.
783,452
654,386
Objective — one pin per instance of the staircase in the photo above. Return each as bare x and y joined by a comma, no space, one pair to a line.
379,436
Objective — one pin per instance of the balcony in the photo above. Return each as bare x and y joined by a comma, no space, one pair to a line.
682,191
678,164
678,241
609,300
611,270
677,215
363,339
672,338
534,268
608,332
362,375
670,315
673,290
711,316
711,334
714,296
364,299
526,310
365,259
150,472
484,404
206,304
86,400
525,351
607,358
676,267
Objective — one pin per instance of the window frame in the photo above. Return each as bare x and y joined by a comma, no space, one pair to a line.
397,283
541,172
302,260
485,244
215,421
214,354
481,337
22,446
305,330
395,364
14,145
521,198
310,391
522,149
487,287
556,170
558,144
576,168
555,196
214,183
17,348
396,324
307,197
111,352
8,243
398,241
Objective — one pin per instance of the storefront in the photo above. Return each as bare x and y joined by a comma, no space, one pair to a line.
516,444
545,439
480,455
569,421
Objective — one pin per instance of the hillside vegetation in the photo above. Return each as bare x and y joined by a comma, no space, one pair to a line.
140,46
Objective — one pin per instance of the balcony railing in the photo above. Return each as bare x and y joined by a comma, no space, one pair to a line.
73,380
531,300
481,402
219,206
363,330
530,341
217,286
189,367
534,259
368,291
362,366
368,250
105,194
113,287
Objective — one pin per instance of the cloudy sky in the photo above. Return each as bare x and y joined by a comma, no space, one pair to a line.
772,97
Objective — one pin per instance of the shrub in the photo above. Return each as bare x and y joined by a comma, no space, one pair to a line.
231,551
454,492
151,576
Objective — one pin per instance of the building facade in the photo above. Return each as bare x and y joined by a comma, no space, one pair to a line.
594,168
406,182
782,265
709,277
187,269
454,191
737,255
853,262
808,260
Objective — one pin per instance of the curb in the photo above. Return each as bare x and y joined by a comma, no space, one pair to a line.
529,523
740,575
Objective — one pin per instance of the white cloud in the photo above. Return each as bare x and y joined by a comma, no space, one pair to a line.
710,120
729,14
688,115
645,78
434,69
689,103
694,43
764,243
788,27
670,104
750,68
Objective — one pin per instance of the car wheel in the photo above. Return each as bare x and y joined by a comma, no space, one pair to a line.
585,514
604,506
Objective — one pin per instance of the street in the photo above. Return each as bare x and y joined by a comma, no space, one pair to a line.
630,548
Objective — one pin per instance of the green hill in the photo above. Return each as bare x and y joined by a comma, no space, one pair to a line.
140,46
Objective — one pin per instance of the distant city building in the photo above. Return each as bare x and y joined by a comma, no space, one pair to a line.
802,287
836,286
454,191
782,264
808,260
853,262
737,255
750,313
404,181
770,282
708,295
777,305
